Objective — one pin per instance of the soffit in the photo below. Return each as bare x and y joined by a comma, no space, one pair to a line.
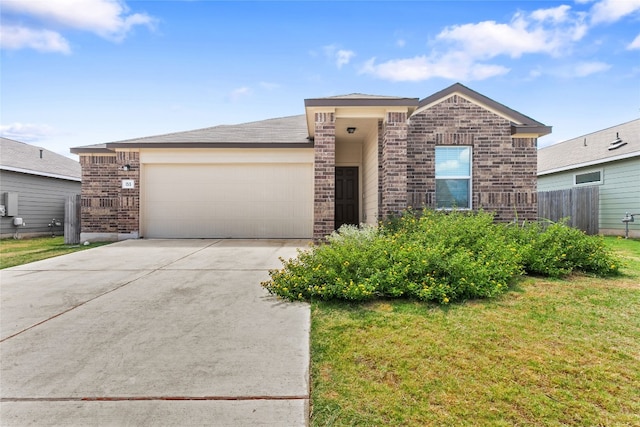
357,106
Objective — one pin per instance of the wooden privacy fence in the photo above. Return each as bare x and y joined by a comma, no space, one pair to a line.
72,220
580,205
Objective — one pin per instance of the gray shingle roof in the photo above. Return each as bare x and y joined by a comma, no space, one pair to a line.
289,131
20,157
591,149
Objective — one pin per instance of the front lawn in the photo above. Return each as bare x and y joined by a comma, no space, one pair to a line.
17,252
547,352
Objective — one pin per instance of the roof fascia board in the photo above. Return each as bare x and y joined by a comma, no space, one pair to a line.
591,163
530,131
83,150
477,98
473,100
121,145
38,173
361,102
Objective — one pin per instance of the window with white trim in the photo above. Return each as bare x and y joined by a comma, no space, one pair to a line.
453,177
588,178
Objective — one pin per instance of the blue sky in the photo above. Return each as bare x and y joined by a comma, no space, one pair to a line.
80,72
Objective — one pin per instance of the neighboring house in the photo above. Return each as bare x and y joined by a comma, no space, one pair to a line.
609,159
34,185
348,160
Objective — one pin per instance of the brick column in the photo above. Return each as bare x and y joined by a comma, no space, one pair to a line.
324,175
99,199
394,164
129,198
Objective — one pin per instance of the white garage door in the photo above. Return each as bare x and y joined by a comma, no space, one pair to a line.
227,200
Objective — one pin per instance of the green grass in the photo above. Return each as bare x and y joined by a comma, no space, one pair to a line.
547,353
17,252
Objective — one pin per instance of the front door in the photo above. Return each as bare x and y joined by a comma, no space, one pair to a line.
347,209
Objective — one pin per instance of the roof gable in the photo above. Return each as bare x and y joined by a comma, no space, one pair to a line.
520,124
24,158
591,149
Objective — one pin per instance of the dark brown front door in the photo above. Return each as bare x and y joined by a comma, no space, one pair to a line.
347,209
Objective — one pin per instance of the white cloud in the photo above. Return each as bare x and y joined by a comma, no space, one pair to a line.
608,11
556,14
343,57
577,70
109,19
240,92
463,52
14,37
26,132
452,66
340,56
584,69
635,44
549,31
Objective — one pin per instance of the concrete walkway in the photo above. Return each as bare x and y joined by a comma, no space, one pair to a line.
152,333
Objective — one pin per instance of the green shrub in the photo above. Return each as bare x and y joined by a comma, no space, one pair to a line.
557,250
436,256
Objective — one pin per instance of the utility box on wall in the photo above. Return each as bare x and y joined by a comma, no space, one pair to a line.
10,202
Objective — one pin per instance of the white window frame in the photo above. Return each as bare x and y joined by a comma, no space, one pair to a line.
582,184
467,177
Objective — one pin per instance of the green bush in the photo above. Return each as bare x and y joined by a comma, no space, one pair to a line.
436,256
557,250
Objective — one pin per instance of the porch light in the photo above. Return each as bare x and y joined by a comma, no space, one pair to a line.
126,168
351,129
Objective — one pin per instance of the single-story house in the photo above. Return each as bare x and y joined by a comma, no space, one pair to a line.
34,186
609,159
348,160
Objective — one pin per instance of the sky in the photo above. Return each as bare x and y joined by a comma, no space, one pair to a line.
81,72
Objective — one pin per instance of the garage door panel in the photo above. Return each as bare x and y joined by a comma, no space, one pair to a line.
228,201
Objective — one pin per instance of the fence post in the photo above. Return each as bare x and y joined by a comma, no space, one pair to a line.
72,220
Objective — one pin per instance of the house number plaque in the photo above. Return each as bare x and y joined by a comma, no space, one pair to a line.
128,183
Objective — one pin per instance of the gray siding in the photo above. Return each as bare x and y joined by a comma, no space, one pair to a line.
40,199
619,191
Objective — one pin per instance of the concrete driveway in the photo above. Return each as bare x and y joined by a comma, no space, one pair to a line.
153,332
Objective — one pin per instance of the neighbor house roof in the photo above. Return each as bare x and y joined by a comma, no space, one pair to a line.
272,133
520,124
607,145
17,156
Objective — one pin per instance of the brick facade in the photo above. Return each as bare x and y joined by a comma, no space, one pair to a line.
324,172
503,169
394,164
504,166
107,208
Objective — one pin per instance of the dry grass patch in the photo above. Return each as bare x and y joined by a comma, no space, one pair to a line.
549,352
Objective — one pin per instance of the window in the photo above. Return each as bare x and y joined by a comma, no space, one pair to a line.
593,177
453,177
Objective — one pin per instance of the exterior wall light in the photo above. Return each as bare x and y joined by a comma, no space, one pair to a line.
126,168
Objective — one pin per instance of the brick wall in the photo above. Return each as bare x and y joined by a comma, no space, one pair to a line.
324,170
503,171
394,164
129,198
106,206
